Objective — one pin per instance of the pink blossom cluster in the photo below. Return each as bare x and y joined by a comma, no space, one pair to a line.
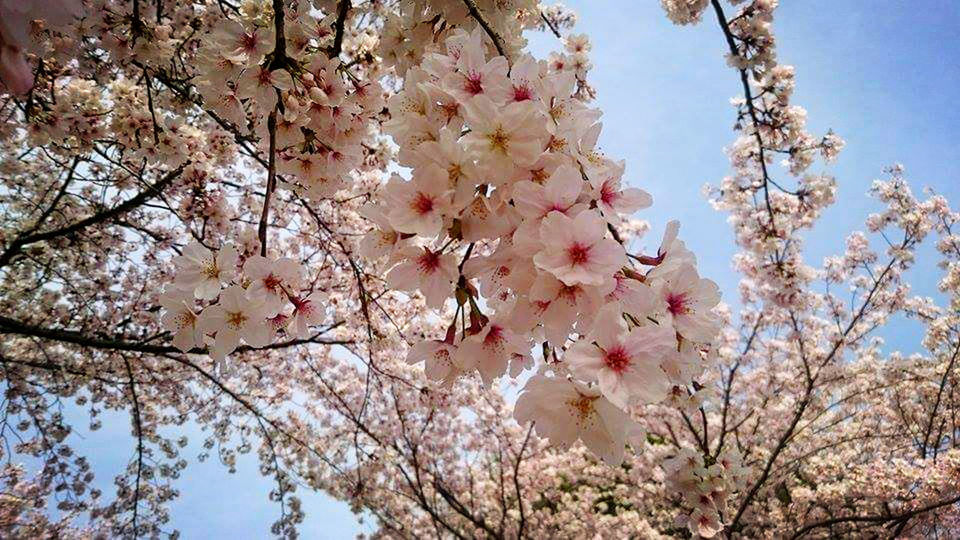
511,212
334,192
318,112
258,303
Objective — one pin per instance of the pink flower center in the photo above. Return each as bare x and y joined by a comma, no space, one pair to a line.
578,254
422,204
677,304
236,319
616,359
494,338
607,194
272,282
428,262
473,84
265,77
303,307
248,42
185,319
557,207
569,293
583,406
450,109
279,321
522,93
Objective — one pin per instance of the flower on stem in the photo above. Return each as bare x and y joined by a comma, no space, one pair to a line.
490,350
577,251
625,364
180,318
686,303
564,411
233,318
307,312
199,270
271,280
419,206
430,272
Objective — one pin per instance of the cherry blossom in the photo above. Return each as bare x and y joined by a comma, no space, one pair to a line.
429,271
503,138
180,318
233,318
418,206
577,251
307,312
271,281
491,350
626,364
688,300
564,411
430,276
199,270
439,358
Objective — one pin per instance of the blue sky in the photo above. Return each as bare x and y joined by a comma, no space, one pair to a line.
883,75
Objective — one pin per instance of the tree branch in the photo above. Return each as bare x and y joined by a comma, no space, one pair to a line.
476,14
153,190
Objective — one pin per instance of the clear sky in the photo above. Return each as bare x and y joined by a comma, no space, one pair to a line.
883,74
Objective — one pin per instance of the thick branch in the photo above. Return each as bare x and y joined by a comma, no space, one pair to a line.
900,518
343,7
12,326
476,14
20,242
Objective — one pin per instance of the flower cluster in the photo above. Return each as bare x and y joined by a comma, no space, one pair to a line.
705,490
259,302
512,211
409,168
293,94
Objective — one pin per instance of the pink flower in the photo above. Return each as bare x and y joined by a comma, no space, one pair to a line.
260,84
635,297
525,80
271,280
381,241
614,201
235,38
705,523
500,272
180,318
198,270
233,318
419,206
491,350
687,301
564,411
558,306
307,312
504,137
430,272
576,250
557,194
439,361
475,76
625,364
